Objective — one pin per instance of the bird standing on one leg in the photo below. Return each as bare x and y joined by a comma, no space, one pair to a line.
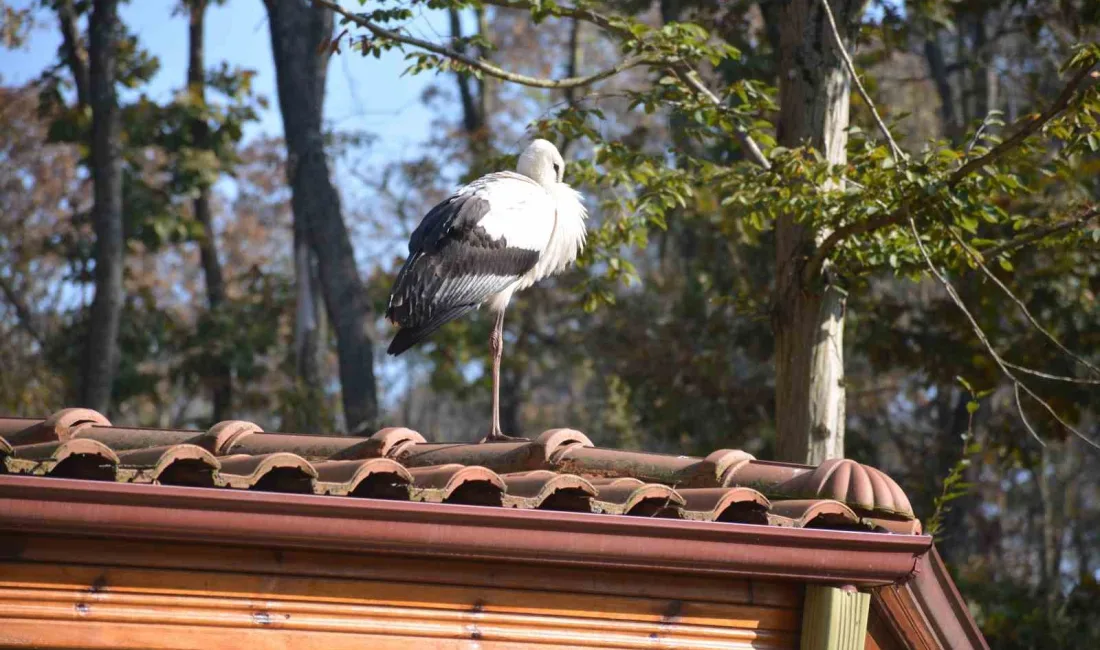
498,235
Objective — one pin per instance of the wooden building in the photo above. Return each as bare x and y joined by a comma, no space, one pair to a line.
235,538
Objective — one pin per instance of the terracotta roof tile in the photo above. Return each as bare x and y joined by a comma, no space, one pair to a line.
559,470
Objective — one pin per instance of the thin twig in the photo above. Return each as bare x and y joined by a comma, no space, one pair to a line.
1026,127
954,295
1023,416
25,317
978,133
1020,305
894,148
1052,377
485,66
579,13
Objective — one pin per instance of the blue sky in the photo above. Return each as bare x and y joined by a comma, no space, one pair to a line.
362,94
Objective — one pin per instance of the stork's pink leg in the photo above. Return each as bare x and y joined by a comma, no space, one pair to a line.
496,348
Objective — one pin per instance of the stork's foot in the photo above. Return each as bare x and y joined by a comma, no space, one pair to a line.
500,437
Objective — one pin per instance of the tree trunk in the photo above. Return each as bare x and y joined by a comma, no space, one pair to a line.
309,339
937,67
1050,494
299,36
101,355
809,318
72,50
221,379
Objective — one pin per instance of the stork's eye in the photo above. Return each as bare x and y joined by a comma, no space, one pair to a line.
557,168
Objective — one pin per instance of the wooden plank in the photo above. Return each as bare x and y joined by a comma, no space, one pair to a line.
72,635
456,571
94,580
880,632
834,618
46,609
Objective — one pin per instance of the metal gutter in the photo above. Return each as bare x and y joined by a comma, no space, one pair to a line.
274,520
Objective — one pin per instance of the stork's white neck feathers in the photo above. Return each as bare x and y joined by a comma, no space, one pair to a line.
542,163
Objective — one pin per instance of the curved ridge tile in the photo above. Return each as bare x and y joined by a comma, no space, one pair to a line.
182,464
554,441
72,458
630,496
374,477
384,443
855,484
123,439
725,461
548,490
221,437
501,457
740,504
279,472
58,451
10,425
762,475
310,447
58,427
600,462
456,483
813,513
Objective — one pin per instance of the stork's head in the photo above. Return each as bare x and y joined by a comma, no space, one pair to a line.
542,162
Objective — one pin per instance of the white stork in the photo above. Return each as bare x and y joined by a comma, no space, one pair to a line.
500,234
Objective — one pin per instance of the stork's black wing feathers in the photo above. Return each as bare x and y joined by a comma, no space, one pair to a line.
453,265
407,337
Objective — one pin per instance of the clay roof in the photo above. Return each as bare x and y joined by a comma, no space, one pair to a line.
559,470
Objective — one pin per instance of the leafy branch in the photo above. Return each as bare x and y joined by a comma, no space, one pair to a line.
1087,60
1038,234
916,198
954,484
481,64
670,62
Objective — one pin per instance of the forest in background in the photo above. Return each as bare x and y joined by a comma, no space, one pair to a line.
202,276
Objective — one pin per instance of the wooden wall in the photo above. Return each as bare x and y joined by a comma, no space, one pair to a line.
87,593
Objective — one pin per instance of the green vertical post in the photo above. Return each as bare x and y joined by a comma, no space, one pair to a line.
834,618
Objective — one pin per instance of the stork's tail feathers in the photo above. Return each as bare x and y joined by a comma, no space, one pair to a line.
407,337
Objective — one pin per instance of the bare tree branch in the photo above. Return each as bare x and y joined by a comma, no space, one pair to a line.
1052,377
27,319
1023,308
894,148
1026,127
1017,384
75,55
485,66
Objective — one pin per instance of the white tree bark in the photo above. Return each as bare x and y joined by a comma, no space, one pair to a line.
814,92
